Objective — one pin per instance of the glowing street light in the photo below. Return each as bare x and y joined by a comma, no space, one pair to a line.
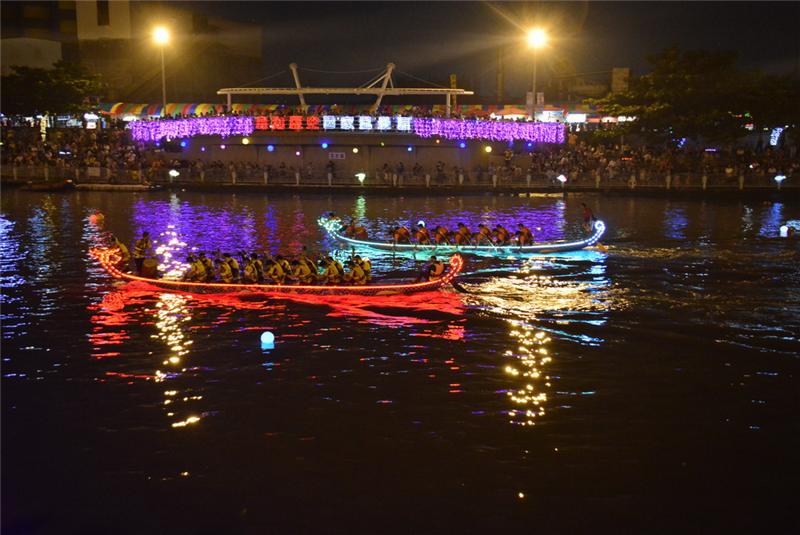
161,38
537,38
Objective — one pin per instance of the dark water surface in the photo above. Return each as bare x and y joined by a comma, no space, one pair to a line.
648,387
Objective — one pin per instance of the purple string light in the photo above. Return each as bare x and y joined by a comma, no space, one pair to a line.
154,131
490,130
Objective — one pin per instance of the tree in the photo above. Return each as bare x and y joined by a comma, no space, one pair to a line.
700,95
66,88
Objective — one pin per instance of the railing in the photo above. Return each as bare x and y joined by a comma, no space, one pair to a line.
233,175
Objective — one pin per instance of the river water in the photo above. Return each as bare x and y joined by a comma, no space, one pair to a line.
649,385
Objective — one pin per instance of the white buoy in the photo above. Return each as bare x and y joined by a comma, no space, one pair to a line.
267,337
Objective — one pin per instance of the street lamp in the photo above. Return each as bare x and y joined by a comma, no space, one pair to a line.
537,38
161,38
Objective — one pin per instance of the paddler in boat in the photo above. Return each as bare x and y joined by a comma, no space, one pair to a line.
401,235
355,274
249,272
364,264
501,235
233,264
259,267
306,259
208,265
285,264
588,217
140,249
463,235
301,273
349,230
224,271
332,271
125,255
523,235
441,235
197,272
433,270
274,271
421,234
483,236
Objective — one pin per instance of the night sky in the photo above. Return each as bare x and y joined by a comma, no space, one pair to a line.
430,40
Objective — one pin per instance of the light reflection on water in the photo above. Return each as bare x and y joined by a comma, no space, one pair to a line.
688,299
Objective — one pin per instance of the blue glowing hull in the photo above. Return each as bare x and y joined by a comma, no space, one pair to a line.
599,229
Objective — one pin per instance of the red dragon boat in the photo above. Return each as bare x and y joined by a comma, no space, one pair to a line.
110,257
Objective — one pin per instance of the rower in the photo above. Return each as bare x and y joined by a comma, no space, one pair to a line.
259,266
421,234
440,234
364,264
356,275
401,235
285,265
350,229
588,217
302,273
125,255
140,249
196,272
306,259
463,235
360,233
332,273
249,272
233,264
501,235
224,273
208,265
274,271
484,235
432,271
524,235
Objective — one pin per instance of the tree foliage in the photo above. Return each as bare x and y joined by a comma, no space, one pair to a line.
66,88
701,95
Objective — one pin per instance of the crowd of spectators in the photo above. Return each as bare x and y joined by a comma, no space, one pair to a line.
112,149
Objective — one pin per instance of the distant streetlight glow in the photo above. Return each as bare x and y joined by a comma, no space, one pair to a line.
161,38
537,38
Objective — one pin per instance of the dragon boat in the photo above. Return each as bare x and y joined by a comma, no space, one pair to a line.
110,257
598,229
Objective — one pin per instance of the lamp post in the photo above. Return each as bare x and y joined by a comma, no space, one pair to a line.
537,38
161,38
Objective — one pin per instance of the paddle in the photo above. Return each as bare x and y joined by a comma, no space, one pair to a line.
457,287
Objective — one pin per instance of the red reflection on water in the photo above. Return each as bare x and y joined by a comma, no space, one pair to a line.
375,309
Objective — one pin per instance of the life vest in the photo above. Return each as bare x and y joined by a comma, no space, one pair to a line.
525,236
463,235
441,235
366,265
208,266
501,235
141,246
357,275
350,230
249,275
259,267
125,256
422,235
276,273
234,265
309,264
484,234
333,272
437,270
360,233
198,271
285,265
402,235
224,272
303,274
